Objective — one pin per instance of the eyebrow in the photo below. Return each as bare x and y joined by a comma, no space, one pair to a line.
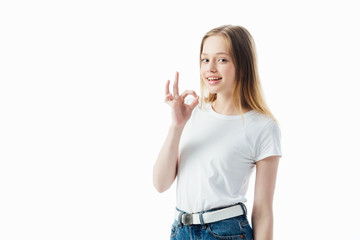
218,53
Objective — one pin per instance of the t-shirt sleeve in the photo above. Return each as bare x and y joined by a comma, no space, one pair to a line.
269,142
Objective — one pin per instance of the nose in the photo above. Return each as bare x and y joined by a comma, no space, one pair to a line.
211,67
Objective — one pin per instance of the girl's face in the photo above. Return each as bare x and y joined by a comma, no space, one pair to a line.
217,68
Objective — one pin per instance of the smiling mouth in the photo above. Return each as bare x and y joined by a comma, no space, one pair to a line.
213,79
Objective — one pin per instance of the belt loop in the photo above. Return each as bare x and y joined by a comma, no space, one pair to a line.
243,208
202,220
180,219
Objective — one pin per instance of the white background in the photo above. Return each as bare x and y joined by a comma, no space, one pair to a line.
82,116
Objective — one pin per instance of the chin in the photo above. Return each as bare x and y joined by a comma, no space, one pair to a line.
213,90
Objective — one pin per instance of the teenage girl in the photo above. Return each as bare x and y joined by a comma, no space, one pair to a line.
214,143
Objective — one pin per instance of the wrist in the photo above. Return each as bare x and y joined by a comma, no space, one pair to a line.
177,127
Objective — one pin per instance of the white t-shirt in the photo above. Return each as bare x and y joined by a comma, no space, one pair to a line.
217,155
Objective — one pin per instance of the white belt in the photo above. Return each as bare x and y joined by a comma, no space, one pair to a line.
209,217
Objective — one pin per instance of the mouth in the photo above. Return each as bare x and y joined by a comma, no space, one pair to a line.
213,80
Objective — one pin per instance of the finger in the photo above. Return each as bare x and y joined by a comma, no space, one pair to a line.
176,85
167,87
168,97
195,102
188,92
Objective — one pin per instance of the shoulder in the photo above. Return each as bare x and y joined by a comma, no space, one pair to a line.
261,127
200,109
205,106
194,115
261,121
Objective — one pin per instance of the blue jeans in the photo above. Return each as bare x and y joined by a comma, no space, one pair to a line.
232,228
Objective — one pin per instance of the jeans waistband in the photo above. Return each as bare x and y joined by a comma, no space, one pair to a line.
211,215
243,206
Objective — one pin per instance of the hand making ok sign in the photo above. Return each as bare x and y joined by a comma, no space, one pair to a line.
181,111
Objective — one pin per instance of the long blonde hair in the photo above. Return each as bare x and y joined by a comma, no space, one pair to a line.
247,91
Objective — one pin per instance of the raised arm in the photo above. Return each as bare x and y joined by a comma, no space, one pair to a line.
165,167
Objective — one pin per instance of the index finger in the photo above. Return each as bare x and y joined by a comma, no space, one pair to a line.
167,87
176,85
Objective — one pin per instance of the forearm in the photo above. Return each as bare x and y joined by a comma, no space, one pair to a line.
263,226
165,167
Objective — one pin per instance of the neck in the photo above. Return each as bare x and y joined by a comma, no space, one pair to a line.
224,105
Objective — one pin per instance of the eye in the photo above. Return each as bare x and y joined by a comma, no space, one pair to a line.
222,60
204,60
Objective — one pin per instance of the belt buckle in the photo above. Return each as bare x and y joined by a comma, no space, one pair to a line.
187,219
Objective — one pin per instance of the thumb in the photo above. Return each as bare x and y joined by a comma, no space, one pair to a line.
195,102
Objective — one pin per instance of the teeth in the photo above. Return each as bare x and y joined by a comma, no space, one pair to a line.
212,78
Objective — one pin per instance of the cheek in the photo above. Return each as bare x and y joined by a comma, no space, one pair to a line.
202,70
229,71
